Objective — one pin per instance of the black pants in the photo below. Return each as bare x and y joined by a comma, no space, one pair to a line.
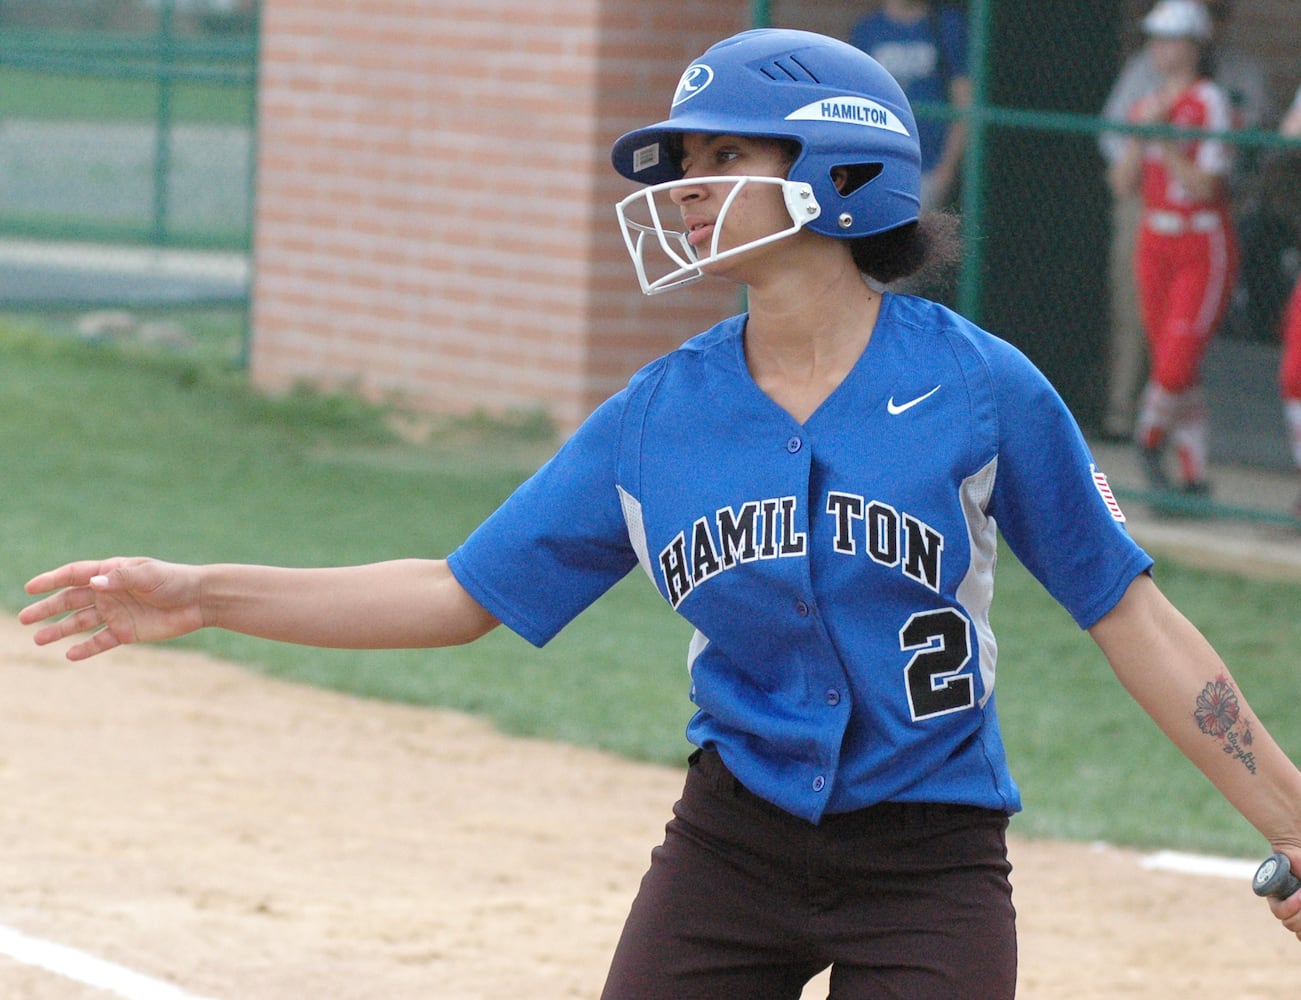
745,902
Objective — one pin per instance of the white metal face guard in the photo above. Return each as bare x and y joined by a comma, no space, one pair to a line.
687,265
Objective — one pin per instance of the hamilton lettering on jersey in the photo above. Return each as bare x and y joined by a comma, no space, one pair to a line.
890,538
767,529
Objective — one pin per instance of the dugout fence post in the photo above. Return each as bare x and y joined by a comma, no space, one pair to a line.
163,119
980,15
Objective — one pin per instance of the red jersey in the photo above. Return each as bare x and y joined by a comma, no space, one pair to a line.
1202,105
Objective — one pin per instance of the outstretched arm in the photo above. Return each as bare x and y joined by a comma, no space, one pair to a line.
405,603
1181,682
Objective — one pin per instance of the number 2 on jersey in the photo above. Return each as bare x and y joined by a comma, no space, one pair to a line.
936,684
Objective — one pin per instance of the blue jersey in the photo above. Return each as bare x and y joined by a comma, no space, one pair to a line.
839,573
921,63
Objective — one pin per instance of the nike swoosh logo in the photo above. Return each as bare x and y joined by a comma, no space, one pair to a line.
896,409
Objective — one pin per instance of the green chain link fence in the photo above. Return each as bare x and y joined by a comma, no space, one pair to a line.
131,122
136,128
127,130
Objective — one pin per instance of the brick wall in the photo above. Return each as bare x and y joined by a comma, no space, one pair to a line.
435,216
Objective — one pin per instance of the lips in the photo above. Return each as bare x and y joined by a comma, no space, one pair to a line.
699,232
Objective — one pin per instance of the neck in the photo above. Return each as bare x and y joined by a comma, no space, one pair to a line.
806,331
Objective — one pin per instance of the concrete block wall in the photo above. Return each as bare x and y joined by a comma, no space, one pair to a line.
435,203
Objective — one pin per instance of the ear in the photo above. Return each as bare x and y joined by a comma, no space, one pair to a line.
840,177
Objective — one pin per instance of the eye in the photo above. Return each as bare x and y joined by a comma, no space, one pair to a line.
726,154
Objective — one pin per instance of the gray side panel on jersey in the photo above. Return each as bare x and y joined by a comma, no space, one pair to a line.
976,591
636,531
698,643
637,536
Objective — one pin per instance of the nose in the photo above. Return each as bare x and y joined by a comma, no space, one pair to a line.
686,194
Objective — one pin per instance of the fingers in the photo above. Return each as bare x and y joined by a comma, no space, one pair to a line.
61,602
83,620
100,642
74,574
74,586
1288,912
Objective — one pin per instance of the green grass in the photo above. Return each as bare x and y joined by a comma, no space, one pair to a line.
111,76
1091,764
51,96
110,452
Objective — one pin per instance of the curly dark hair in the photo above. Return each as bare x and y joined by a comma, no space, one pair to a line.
926,250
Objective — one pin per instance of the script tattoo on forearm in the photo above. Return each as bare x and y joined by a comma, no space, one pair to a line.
1219,715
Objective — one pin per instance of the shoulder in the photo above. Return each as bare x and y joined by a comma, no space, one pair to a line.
1207,101
717,346
719,341
1138,76
931,325
998,378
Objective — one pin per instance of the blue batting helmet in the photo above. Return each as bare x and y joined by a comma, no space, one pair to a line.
834,100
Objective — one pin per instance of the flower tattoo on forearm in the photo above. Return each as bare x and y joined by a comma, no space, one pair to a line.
1219,714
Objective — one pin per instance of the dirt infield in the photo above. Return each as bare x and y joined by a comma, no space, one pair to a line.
246,839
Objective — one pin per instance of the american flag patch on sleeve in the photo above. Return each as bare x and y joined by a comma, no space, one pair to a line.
1104,491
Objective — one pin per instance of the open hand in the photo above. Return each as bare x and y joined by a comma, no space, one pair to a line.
116,601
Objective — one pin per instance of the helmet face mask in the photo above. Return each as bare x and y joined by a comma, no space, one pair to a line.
845,113
654,246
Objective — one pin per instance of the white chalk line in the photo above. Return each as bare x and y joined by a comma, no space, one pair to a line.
85,968
1201,864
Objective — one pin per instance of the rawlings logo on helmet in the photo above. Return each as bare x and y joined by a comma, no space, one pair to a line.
697,77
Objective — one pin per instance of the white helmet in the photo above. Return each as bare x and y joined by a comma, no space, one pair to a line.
1178,19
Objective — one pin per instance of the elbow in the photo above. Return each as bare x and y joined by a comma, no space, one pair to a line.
478,623
452,616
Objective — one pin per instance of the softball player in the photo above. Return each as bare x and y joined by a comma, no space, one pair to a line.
1289,377
817,485
1186,257
1289,371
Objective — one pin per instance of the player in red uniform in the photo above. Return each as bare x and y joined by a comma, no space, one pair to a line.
1289,377
1186,256
1289,372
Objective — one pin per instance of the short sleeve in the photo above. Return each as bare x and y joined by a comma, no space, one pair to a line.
1051,500
558,542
